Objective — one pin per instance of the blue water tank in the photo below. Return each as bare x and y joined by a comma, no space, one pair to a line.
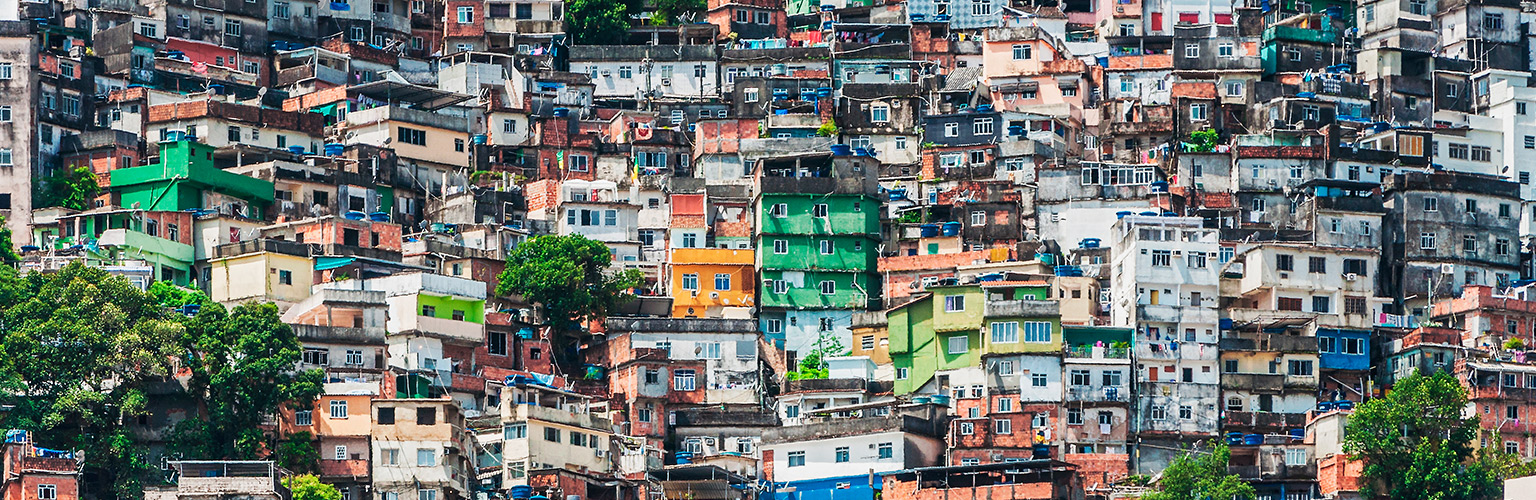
1324,406
1297,433
1149,213
684,457
917,18
929,230
520,492
334,149
1234,438
823,91
379,217
1042,451
1121,214
983,108
1253,439
990,277
1016,130
842,150
951,229
355,215
1344,405
298,150
898,194
1089,243
863,152
477,139
939,399
562,112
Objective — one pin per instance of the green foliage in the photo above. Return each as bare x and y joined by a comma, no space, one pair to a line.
1196,475
828,129
169,295
309,487
813,366
71,187
242,370
669,11
568,276
7,245
910,217
1514,344
80,346
1416,444
597,22
298,453
1203,141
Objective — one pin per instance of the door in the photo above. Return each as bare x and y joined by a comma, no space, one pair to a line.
1152,373
1266,402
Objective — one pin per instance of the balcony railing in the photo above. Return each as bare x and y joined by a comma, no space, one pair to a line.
1096,352
1098,393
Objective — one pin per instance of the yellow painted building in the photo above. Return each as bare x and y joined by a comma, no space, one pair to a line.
260,270
713,283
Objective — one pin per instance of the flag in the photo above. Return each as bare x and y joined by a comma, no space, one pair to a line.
200,68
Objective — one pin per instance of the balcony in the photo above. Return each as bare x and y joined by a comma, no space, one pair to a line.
1022,308
1096,352
830,385
446,329
339,334
1254,382
1266,342
1304,35
1264,420
1099,393
392,22
358,468
338,249
326,74
523,26
263,245
527,412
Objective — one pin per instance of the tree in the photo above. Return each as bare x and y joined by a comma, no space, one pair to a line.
1196,475
309,487
71,187
814,365
828,128
80,346
1416,444
297,453
597,22
1203,141
668,11
568,276
172,296
7,245
242,363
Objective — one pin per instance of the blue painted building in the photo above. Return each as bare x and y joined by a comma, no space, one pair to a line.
833,488
1344,361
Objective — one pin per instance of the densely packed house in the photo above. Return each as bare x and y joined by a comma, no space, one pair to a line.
895,246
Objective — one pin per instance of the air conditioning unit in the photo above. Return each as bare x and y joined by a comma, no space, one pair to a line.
1351,277
1447,269
666,82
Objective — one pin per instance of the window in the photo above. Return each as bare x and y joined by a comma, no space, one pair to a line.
49,492
683,380
340,452
1482,154
427,457
1320,304
1427,241
1191,51
145,29
1457,151
1038,379
1005,332
1197,112
413,136
1162,258
552,434
1501,247
1299,367
5,157
424,494
1284,262
1038,332
828,287
1022,52
5,71
880,113
338,408
1469,244
285,277
1317,265
951,129
982,8
841,454
690,281
796,459
825,247
1159,412
466,15
886,450
819,210
232,27
1002,426
967,428
1493,21
958,344
1186,412
954,303
982,126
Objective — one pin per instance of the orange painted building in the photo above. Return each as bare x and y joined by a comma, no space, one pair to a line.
28,472
710,282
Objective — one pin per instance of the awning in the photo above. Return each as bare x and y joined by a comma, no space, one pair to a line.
328,263
1069,83
1009,88
425,98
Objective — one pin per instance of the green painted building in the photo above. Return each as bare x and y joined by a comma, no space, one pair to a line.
955,327
818,241
186,178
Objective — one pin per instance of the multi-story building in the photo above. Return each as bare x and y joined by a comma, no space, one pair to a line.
420,448
818,237
1165,274
1445,230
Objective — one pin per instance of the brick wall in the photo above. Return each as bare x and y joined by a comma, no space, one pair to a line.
1100,469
